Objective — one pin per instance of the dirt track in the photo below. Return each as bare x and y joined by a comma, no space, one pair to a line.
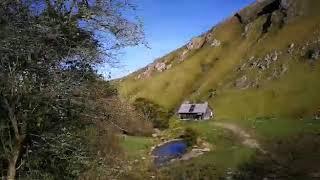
246,138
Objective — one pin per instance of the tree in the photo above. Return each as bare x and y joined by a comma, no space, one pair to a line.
152,112
126,117
48,52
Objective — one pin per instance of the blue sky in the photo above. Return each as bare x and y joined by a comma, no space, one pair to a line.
168,25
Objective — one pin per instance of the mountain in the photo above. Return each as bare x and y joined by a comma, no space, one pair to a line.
263,61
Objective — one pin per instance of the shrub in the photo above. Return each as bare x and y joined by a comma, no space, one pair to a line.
190,136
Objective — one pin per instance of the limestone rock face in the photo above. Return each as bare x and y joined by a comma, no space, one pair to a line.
196,43
250,13
290,6
262,7
160,66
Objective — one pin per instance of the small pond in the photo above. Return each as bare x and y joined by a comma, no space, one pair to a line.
168,151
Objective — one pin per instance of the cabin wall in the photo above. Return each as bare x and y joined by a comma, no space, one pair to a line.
191,116
208,114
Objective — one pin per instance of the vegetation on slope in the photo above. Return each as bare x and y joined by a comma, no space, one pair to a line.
210,73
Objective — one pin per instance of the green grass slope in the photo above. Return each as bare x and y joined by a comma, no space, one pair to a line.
288,87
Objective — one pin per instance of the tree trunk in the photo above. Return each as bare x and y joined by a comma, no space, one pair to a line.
11,174
19,139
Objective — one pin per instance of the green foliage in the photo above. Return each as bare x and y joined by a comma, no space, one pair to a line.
152,112
65,156
190,135
49,88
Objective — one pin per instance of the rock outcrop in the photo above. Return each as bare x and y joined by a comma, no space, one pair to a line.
155,67
160,66
147,73
264,62
196,43
277,12
183,55
215,43
199,42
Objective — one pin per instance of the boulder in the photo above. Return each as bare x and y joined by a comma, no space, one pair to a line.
215,43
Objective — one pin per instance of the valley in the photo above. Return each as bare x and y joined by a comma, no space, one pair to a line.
259,70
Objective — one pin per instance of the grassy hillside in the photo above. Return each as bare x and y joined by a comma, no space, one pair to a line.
228,75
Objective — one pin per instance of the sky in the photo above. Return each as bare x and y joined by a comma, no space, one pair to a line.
168,25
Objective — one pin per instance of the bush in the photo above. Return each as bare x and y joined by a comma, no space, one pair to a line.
190,136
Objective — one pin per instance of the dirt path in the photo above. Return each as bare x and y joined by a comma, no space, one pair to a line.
246,138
